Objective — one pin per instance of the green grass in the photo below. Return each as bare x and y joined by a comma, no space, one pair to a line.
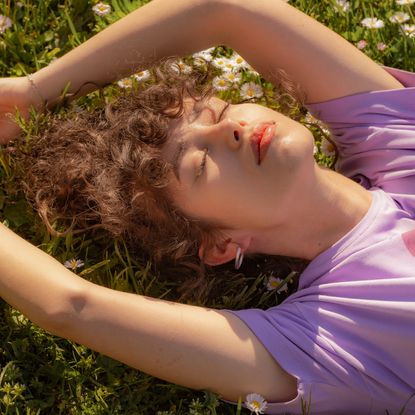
43,374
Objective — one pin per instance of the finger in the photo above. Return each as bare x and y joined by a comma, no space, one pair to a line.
8,131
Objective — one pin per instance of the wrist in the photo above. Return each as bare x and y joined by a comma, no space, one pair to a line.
36,97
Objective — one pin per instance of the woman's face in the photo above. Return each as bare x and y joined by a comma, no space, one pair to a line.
238,166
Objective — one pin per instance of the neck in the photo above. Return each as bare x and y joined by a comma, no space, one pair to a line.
327,208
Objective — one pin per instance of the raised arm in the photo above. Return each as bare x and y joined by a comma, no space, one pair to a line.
270,34
161,28
172,341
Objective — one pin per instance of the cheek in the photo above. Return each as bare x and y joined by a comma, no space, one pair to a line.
212,198
294,154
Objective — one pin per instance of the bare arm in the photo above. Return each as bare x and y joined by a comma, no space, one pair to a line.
172,341
270,34
161,28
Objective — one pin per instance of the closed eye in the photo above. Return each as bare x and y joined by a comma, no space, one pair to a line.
202,164
206,150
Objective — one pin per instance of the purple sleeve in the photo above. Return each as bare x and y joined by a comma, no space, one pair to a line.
296,345
375,136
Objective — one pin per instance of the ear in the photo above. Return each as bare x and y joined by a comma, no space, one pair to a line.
222,252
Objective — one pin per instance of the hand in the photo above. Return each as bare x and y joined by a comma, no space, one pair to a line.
16,94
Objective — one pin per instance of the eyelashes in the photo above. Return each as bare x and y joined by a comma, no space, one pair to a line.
203,163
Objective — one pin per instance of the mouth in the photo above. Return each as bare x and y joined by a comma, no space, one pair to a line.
261,139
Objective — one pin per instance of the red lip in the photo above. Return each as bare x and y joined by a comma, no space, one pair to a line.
261,139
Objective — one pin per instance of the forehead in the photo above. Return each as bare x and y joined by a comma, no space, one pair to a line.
196,111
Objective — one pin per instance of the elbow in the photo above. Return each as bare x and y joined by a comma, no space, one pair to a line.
64,312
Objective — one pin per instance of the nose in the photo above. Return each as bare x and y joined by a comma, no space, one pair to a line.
229,132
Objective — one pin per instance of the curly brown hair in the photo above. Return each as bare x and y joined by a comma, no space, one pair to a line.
103,169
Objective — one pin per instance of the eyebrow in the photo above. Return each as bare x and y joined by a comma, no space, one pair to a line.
177,158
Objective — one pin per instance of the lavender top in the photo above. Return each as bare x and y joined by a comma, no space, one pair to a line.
348,333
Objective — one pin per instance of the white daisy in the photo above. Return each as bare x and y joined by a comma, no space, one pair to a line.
230,66
181,67
5,23
372,23
101,9
251,90
220,83
405,2
399,17
220,63
409,29
343,5
256,403
142,75
73,264
238,61
273,283
232,77
327,148
125,83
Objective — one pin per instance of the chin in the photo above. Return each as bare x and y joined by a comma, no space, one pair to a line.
296,149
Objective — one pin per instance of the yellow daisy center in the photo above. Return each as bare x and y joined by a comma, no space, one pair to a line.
256,404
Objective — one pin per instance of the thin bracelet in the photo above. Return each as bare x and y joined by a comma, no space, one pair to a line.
32,83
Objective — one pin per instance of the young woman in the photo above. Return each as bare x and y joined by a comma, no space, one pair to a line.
345,340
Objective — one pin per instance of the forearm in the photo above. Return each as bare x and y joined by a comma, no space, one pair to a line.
196,347
159,29
173,341
34,282
273,35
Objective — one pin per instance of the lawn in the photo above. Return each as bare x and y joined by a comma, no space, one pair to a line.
43,374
